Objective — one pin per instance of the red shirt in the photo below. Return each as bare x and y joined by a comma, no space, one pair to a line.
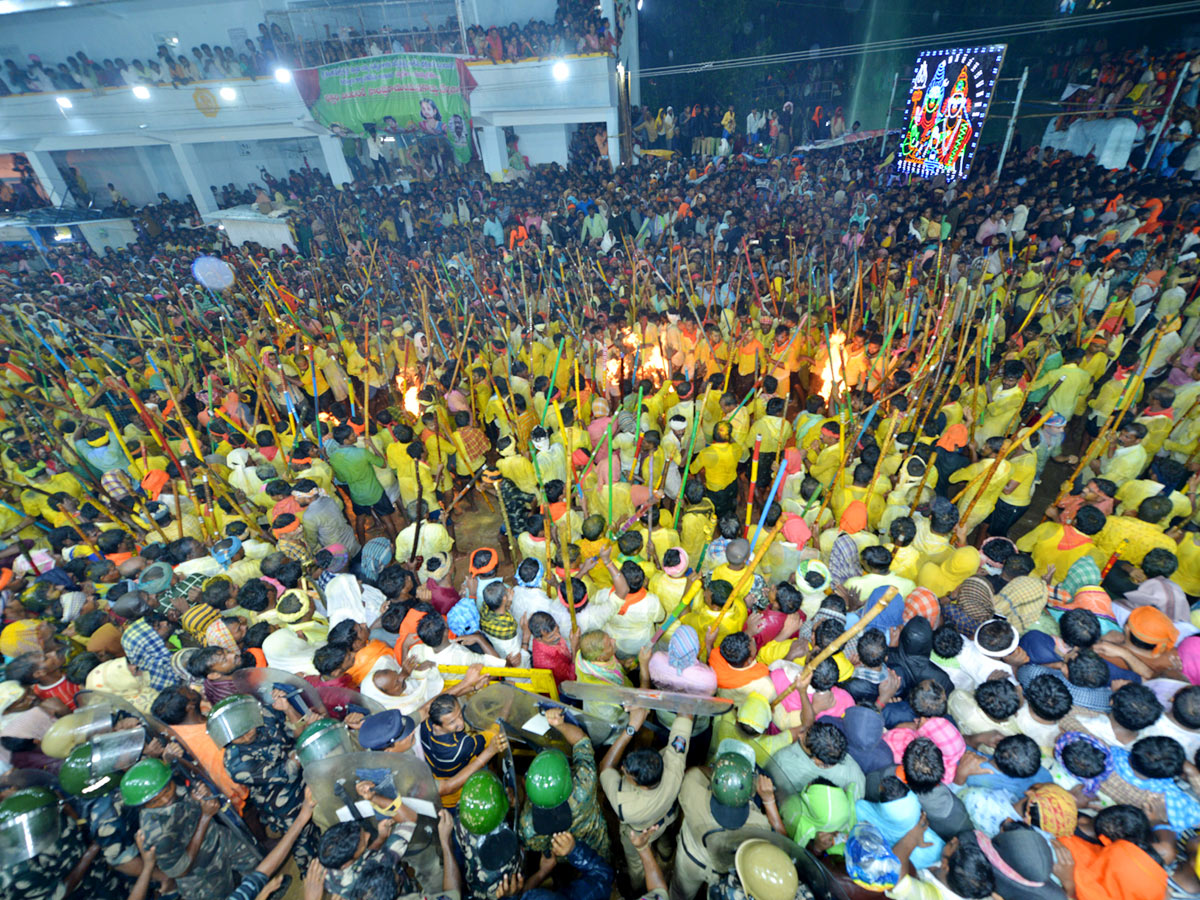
61,690
555,657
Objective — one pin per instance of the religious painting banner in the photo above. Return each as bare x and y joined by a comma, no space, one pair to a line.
401,95
947,106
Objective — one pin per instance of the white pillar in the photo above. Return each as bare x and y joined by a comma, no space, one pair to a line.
612,121
50,178
631,55
492,148
335,160
189,166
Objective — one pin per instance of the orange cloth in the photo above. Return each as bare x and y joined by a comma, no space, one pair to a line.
1151,625
1115,871
631,598
854,517
731,678
956,436
154,482
212,759
365,658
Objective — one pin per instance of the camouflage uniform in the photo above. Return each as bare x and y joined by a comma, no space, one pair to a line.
221,862
587,821
44,877
344,881
112,825
265,767
481,882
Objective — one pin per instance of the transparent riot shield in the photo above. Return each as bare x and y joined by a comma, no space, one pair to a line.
395,776
263,682
667,701
523,716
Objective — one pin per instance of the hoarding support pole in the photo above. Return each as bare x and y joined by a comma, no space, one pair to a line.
1162,124
887,122
1012,123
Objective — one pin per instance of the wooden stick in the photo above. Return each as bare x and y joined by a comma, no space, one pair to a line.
836,644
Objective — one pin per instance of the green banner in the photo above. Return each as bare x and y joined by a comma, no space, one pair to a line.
420,97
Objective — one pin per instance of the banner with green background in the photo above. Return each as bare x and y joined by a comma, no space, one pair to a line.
418,95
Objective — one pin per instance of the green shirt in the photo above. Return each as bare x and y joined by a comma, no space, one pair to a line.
354,466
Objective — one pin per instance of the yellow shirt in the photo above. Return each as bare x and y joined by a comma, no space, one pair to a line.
1023,470
1043,544
719,463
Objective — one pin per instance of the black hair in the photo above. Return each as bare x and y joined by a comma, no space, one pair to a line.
872,648
825,743
342,632
431,630
1083,759
737,649
253,595
1159,563
1157,757
1135,706
997,549
171,705
256,634
329,658
76,671
1079,627
903,531
633,574
1017,756
969,873
1123,822
826,632
338,844
825,675
645,766
1017,565
528,569
1086,669
1185,706
878,559
947,642
995,635
928,699
729,526
891,788
998,699
923,764
1089,520
441,706
23,668
541,623
200,663
1048,697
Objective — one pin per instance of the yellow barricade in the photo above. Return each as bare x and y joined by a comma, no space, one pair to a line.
536,681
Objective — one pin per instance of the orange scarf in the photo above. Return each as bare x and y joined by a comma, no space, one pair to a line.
730,678
630,599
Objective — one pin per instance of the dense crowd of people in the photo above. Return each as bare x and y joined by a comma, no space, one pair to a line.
578,27
799,530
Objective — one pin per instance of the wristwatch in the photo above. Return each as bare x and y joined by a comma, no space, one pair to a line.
630,730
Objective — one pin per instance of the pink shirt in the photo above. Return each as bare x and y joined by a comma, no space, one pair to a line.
695,679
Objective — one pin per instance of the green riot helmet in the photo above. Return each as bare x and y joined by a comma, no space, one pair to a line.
29,824
144,781
77,778
732,786
548,785
483,804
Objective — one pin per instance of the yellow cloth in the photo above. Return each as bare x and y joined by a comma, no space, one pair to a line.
1043,544
719,463
1133,537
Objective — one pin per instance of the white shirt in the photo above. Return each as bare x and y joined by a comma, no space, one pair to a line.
419,688
632,629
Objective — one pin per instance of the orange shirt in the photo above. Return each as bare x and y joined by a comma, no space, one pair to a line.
365,658
212,760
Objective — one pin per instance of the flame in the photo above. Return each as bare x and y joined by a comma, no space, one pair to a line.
832,371
410,401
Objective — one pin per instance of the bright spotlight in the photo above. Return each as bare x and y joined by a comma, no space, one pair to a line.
64,102
640,5
560,71
228,93
283,76
141,92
